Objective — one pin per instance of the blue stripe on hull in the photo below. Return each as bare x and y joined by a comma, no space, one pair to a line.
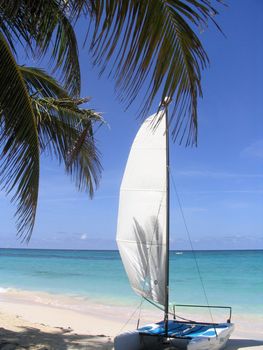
181,329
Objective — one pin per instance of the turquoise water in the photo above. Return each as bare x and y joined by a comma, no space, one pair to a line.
230,277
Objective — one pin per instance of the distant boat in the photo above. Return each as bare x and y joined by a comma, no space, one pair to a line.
143,242
179,253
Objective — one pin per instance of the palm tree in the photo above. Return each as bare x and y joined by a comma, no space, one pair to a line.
56,126
153,42
135,41
38,115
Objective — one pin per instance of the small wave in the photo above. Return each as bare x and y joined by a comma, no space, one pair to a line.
4,290
57,274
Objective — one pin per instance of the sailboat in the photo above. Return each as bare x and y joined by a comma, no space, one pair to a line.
143,242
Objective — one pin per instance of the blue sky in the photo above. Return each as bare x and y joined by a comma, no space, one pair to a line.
220,183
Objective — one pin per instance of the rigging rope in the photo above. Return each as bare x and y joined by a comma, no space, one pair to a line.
131,316
193,251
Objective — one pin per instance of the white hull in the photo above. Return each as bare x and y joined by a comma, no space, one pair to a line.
142,341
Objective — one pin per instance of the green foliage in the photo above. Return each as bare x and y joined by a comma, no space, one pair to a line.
38,115
153,40
66,133
19,171
136,41
41,26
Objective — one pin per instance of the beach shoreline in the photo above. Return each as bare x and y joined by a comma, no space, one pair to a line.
33,317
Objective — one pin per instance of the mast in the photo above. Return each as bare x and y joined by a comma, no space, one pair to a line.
166,305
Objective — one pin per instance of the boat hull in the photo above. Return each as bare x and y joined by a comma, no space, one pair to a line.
185,336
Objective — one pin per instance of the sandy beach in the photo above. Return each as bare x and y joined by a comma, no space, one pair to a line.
40,321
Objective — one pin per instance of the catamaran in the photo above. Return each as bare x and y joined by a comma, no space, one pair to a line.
143,242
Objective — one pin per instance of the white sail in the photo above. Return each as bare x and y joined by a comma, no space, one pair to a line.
141,227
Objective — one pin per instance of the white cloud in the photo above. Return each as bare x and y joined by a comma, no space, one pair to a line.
84,236
216,174
236,204
195,209
241,237
255,150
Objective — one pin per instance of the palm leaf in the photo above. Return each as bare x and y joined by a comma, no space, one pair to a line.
64,48
45,27
155,42
41,84
66,132
19,157
65,129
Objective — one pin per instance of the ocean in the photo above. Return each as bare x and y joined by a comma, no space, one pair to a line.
232,278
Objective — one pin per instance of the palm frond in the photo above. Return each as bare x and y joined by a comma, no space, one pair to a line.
56,24
44,25
153,41
19,157
41,84
12,26
66,132
65,129
65,53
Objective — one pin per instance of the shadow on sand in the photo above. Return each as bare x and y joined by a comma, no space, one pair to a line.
235,344
33,338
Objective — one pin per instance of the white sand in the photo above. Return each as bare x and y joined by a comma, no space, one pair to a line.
41,321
